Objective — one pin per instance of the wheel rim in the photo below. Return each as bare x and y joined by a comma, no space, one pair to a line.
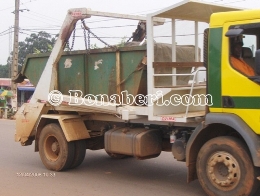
51,148
223,171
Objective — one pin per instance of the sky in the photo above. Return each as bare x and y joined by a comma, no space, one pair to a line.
48,15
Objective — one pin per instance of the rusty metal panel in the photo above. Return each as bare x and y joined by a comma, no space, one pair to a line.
138,142
74,129
71,73
26,119
133,72
34,66
72,126
101,73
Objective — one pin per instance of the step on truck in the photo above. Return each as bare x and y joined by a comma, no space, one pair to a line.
148,97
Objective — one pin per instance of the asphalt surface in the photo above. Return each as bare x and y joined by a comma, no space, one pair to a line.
22,173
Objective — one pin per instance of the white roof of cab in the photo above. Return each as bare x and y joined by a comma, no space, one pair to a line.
192,10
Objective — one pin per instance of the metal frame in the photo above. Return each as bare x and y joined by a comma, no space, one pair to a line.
48,80
177,11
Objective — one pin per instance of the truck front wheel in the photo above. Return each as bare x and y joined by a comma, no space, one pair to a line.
224,168
56,153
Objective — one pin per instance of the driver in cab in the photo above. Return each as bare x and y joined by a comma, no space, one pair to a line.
237,62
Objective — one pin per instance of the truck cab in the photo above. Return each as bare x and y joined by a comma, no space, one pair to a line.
234,92
230,128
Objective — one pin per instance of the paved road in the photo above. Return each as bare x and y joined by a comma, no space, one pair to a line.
97,176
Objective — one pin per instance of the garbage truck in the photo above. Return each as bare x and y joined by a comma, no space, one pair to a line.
148,97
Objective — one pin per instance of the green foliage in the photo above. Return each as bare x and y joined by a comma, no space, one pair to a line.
37,43
122,42
93,46
5,71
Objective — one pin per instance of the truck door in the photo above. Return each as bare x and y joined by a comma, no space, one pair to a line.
240,95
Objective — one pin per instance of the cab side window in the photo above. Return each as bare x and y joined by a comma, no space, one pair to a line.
244,42
237,51
248,50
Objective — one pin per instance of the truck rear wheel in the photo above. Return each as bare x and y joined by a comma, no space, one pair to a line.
224,168
56,153
79,154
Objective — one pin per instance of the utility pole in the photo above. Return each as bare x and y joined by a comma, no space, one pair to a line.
10,50
15,54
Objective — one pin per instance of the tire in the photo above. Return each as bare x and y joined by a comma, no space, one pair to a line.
224,168
56,153
116,155
79,154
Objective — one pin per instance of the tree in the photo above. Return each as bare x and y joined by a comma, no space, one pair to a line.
36,43
94,46
5,71
122,42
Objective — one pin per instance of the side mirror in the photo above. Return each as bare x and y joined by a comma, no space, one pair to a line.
234,32
257,62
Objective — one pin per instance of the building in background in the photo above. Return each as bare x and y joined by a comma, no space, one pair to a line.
24,91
